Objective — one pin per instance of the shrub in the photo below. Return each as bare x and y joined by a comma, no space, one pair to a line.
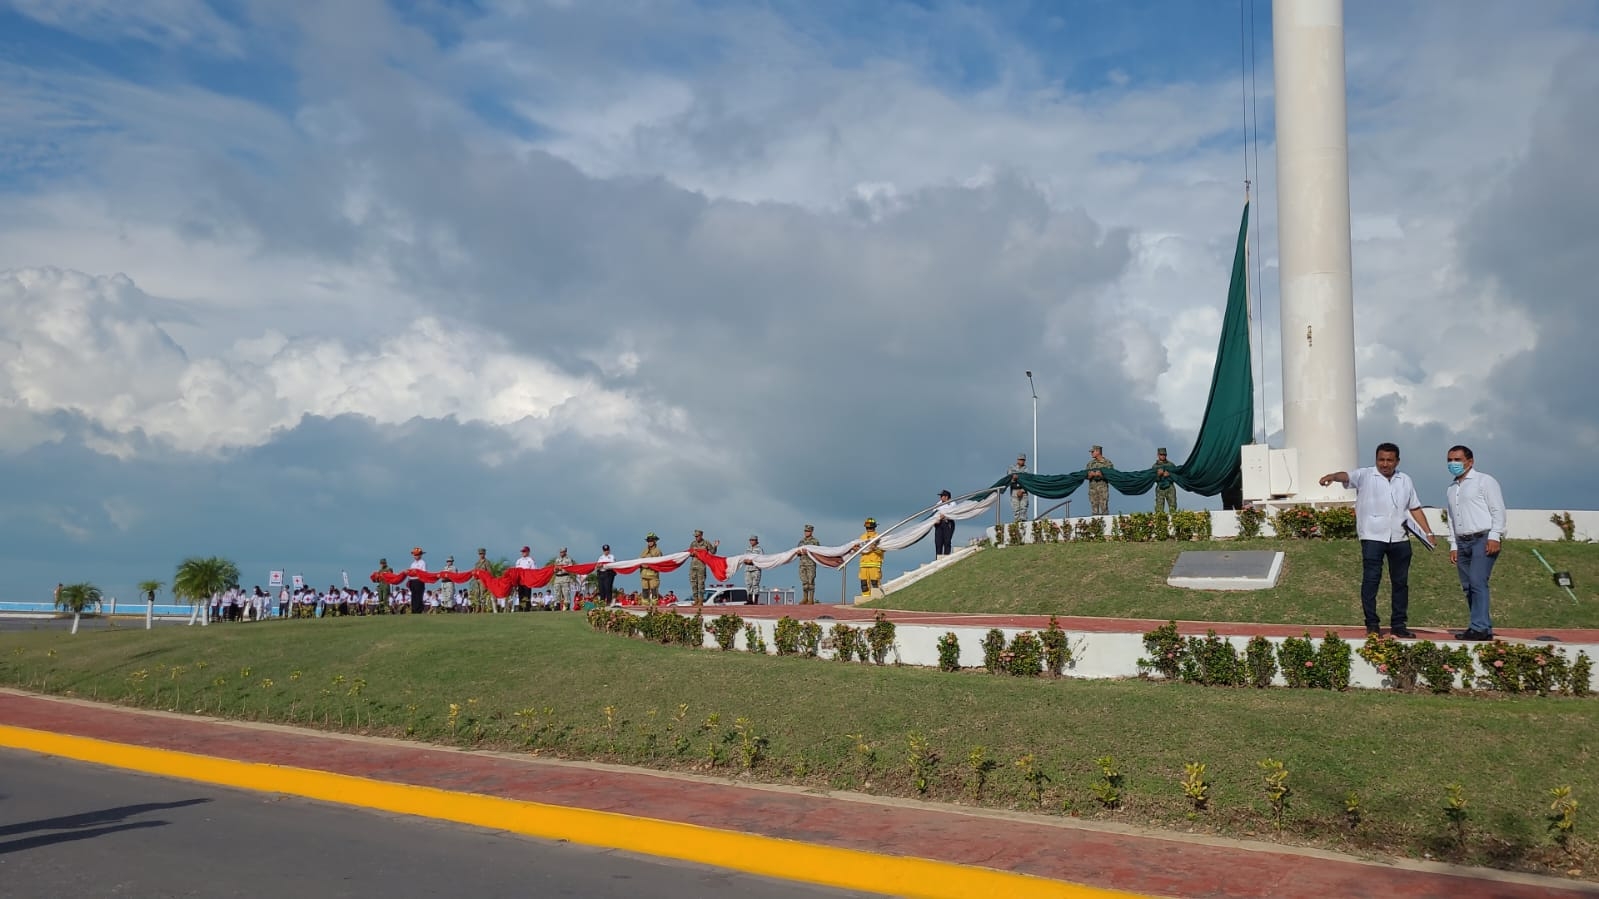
1260,661
880,638
1295,521
1568,527
1249,522
1515,668
993,647
1408,664
786,636
1025,657
1213,662
1581,675
1091,529
692,632
754,640
846,642
1297,659
1134,527
811,639
1013,533
725,628
1331,671
949,652
1337,523
1166,651
1057,652
1191,525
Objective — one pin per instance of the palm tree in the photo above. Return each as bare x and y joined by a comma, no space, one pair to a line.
149,589
75,598
198,578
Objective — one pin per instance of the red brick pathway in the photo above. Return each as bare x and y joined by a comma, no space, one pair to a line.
1150,864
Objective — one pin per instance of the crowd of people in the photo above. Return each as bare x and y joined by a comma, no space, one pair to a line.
239,604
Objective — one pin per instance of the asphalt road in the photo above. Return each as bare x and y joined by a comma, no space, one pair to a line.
79,830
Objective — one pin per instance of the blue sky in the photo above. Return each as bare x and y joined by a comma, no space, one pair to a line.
306,284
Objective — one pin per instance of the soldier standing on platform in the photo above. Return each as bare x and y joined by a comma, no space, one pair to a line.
696,568
1165,487
1098,489
807,567
1018,496
563,581
649,582
384,589
752,575
477,594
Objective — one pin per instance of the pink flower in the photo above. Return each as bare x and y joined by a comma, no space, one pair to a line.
1309,664
1383,669
1449,668
1499,663
1541,660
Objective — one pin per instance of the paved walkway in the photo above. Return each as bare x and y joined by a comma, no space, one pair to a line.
1098,857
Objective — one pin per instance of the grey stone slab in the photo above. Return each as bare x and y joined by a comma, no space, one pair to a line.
1226,570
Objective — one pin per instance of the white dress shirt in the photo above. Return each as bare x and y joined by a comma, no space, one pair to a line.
1475,505
418,565
1382,504
526,562
605,559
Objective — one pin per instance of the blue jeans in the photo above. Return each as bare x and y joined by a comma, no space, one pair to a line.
1475,566
1372,554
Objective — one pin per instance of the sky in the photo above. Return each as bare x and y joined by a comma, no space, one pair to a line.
304,284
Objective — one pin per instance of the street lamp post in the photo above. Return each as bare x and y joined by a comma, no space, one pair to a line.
1036,469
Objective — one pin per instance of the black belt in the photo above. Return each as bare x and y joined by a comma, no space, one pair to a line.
1471,536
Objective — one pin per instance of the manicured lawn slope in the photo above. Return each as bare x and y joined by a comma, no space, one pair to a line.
542,683
1320,585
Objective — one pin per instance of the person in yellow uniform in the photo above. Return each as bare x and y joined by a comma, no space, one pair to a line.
649,582
871,560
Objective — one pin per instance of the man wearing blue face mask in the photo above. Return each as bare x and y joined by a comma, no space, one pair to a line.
1476,525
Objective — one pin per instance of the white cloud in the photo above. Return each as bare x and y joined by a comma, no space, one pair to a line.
86,345
165,23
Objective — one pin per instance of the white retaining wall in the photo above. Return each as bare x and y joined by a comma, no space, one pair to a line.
1520,524
1093,655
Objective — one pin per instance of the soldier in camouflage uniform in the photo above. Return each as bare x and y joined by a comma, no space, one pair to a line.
1165,487
752,575
696,568
807,567
564,581
649,582
384,589
477,595
1098,489
1018,496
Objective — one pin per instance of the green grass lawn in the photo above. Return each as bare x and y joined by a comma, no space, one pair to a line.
1320,584
542,684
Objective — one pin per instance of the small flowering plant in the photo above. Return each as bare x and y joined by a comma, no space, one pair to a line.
1166,649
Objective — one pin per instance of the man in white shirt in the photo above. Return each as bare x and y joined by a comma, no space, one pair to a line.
1384,498
605,576
524,593
1476,525
944,528
418,588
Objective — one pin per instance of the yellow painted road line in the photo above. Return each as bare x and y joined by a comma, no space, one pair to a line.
767,856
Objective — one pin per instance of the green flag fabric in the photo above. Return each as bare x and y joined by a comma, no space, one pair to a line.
1229,423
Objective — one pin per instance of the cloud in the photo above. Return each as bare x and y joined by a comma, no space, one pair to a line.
87,345
567,271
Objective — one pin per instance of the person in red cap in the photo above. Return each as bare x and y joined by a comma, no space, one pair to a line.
524,593
418,589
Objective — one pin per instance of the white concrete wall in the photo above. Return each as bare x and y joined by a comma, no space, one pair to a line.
1520,524
1093,655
